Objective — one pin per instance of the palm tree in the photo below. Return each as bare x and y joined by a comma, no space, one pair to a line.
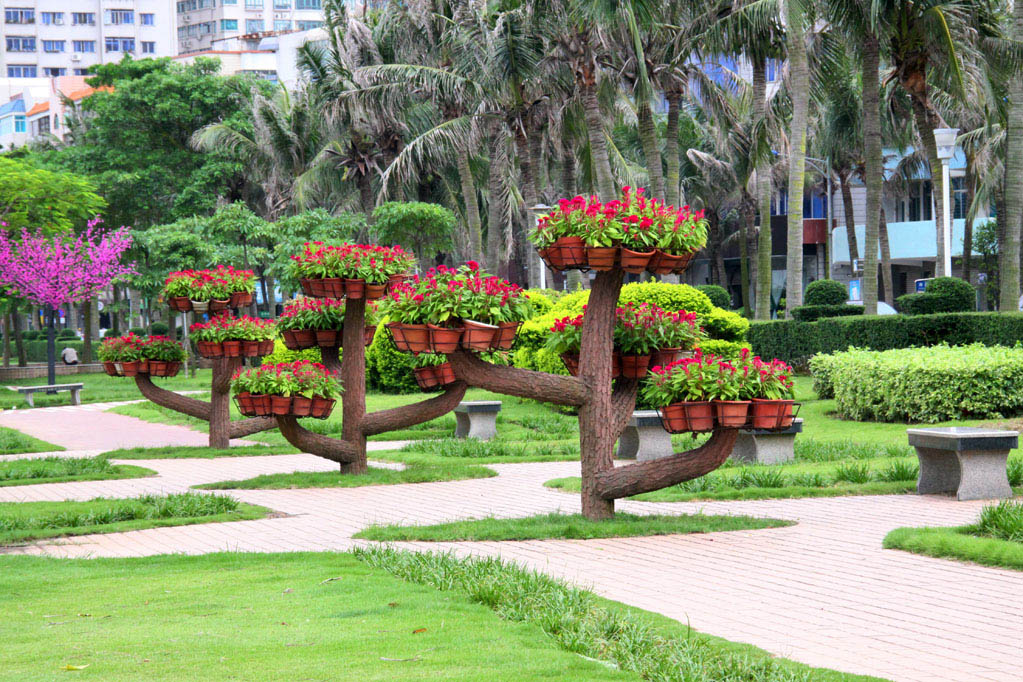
1009,251
799,92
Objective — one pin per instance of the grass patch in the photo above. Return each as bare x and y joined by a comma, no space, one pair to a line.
99,388
632,641
995,540
335,479
565,527
677,494
14,442
198,452
63,469
499,449
22,521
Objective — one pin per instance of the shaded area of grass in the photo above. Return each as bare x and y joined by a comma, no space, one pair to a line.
99,388
565,527
14,442
198,452
303,617
21,521
62,469
335,479
633,641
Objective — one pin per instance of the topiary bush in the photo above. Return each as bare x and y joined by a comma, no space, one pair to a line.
668,296
388,369
825,292
724,325
283,354
67,334
943,295
935,384
719,296
111,333
725,349
138,331
820,369
159,329
30,335
809,313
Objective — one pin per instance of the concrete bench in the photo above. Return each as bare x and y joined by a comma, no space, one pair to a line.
767,446
477,419
28,391
967,460
644,438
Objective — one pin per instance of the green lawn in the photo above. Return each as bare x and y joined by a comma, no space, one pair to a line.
335,479
24,521
63,469
565,527
198,452
98,388
14,442
326,616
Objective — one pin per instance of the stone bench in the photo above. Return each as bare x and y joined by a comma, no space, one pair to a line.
28,391
477,419
644,438
967,460
767,446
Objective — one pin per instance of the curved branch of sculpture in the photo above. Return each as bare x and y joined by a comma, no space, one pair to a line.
643,477
333,449
524,383
409,415
247,427
199,409
623,403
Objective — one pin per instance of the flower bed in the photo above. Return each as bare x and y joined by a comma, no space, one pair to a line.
130,355
350,270
696,394
298,389
209,290
312,322
448,309
634,233
232,337
645,336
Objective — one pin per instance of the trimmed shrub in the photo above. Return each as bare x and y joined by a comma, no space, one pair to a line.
30,335
159,329
668,296
67,334
111,333
283,354
724,325
35,351
820,368
719,296
809,313
825,292
943,295
928,384
388,369
725,349
540,299
138,331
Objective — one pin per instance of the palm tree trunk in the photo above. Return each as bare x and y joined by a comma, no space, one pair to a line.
598,143
850,219
799,89
762,307
573,278
971,190
651,148
1008,248
671,152
745,228
886,258
365,193
873,168
529,197
472,207
496,208
927,119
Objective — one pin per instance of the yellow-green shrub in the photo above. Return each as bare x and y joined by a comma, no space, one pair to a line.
282,354
724,325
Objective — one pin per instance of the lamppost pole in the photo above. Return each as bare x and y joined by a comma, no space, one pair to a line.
945,141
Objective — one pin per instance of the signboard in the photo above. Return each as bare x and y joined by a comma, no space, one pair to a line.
921,284
854,290
981,278
857,265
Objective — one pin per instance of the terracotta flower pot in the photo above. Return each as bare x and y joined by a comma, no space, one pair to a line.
200,306
232,348
326,338
665,356
635,261
305,338
144,366
681,266
307,286
167,369
301,406
445,374
355,288
250,349
218,305
368,333
426,377
663,263
130,369
245,404
375,291
731,413
571,252
240,299
322,407
417,337
110,368
688,416
215,350
395,280
180,303
571,361
444,339
397,330
478,335
505,336
261,404
266,346
772,414
635,366
601,258
157,368
552,257
280,404
288,336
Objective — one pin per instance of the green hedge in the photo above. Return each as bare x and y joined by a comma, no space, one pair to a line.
796,342
809,313
718,295
825,292
942,295
935,384
35,351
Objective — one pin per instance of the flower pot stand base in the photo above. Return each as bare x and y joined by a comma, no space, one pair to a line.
477,419
644,438
767,446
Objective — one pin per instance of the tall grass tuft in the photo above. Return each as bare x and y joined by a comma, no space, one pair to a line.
180,505
53,467
853,473
1003,521
474,448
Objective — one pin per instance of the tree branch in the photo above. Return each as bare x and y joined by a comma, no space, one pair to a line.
623,403
171,400
524,383
409,415
247,427
333,449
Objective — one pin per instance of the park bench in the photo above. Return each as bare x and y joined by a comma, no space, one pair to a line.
969,461
763,446
477,419
28,391
644,438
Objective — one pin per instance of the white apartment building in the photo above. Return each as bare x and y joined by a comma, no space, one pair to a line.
203,24
52,38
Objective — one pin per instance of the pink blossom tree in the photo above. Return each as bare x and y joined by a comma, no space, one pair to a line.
56,271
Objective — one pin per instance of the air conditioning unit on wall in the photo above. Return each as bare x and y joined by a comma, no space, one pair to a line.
76,57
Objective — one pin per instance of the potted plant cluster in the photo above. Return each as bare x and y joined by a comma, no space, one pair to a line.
633,232
211,290
163,355
352,270
645,336
773,394
310,322
299,389
232,337
432,370
448,308
121,355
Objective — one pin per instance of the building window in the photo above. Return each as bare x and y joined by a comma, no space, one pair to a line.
54,71
308,25
147,19
20,15
41,126
82,72
282,4
83,18
308,4
148,47
21,44
918,204
53,18
118,17
84,45
120,45
253,25
53,46
959,206
22,71
229,2
282,25
228,24
254,4
20,125
780,202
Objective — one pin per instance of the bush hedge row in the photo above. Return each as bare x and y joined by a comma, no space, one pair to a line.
809,313
795,341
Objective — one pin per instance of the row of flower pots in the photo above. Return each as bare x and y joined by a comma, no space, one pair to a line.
630,366
572,253
335,287
263,404
156,368
472,335
433,376
299,339
184,304
704,415
234,348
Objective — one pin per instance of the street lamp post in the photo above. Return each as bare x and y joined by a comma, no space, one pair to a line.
945,141
539,211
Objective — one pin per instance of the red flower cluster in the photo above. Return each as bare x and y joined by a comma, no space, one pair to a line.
368,262
467,293
225,327
222,281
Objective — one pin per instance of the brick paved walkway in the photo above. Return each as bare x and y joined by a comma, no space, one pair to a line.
822,591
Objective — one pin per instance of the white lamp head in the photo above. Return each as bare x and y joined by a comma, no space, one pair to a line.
945,141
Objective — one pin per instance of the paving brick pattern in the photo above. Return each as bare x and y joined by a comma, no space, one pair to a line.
822,591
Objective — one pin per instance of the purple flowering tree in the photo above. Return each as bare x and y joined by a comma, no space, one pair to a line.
56,271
